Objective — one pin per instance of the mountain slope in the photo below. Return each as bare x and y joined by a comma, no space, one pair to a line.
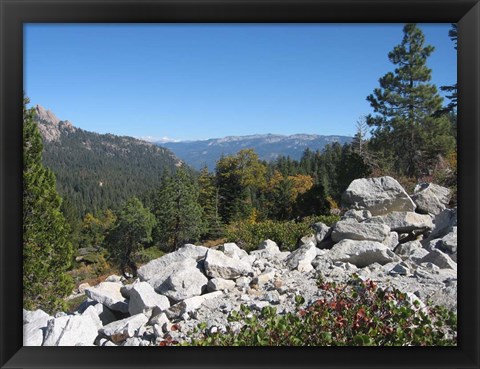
268,147
95,171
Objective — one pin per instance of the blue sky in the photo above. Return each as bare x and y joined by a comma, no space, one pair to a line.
200,81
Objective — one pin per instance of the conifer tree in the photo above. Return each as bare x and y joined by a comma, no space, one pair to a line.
406,129
208,199
179,215
132,231
47,250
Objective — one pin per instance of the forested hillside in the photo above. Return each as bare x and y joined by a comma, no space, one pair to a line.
98,171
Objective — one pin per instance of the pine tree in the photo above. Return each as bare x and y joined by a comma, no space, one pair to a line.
405,128
179,215
208,199
132,231
47,250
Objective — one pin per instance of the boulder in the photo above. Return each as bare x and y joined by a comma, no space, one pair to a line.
361,253
220,284
301,258
34,325
232,250
73,330
403,221
444,223
120,330
407,248
447,243
184,283
270,246
430,198
31,316
380,196
352,230
154,267
163,281
143,299
219,265
108,294
440,259
190,305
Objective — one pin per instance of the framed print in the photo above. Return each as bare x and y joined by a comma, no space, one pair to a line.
225,207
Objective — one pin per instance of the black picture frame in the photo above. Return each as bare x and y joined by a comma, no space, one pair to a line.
16,12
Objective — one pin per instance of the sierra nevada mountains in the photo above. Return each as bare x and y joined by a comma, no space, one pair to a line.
268,147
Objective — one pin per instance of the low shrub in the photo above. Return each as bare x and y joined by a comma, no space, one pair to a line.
249,235
355,314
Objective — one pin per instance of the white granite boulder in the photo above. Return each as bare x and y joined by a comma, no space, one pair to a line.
219,265
301,259
120,330
108,294
380,196
143,299
361,253
353,230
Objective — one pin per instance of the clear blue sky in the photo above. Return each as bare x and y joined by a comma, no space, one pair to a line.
201,81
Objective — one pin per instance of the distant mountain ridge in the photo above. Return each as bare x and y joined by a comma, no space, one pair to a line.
268,147
95,171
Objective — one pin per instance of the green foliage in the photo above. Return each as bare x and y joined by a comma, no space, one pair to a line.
406,129
180,218
47,250
356,314
249,235
133,230
94,230
147,254
208,199
239,179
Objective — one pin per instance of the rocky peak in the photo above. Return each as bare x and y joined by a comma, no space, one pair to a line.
50,126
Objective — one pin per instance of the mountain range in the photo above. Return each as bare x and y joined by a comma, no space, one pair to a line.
268,147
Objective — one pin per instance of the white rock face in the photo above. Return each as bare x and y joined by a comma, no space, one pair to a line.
322,235
184,283
108,294
143,299
72,330
218,265
154,267
444,223
361,253
270,246
380,196
403,221
351,229
301,259
431,198
440,259
233,251
34,324
190,305
162,281
120,330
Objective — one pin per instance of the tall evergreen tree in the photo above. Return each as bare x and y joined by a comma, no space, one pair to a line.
47,250
208,199
132,231
179,215
405,126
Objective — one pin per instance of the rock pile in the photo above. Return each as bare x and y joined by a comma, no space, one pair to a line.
401,241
